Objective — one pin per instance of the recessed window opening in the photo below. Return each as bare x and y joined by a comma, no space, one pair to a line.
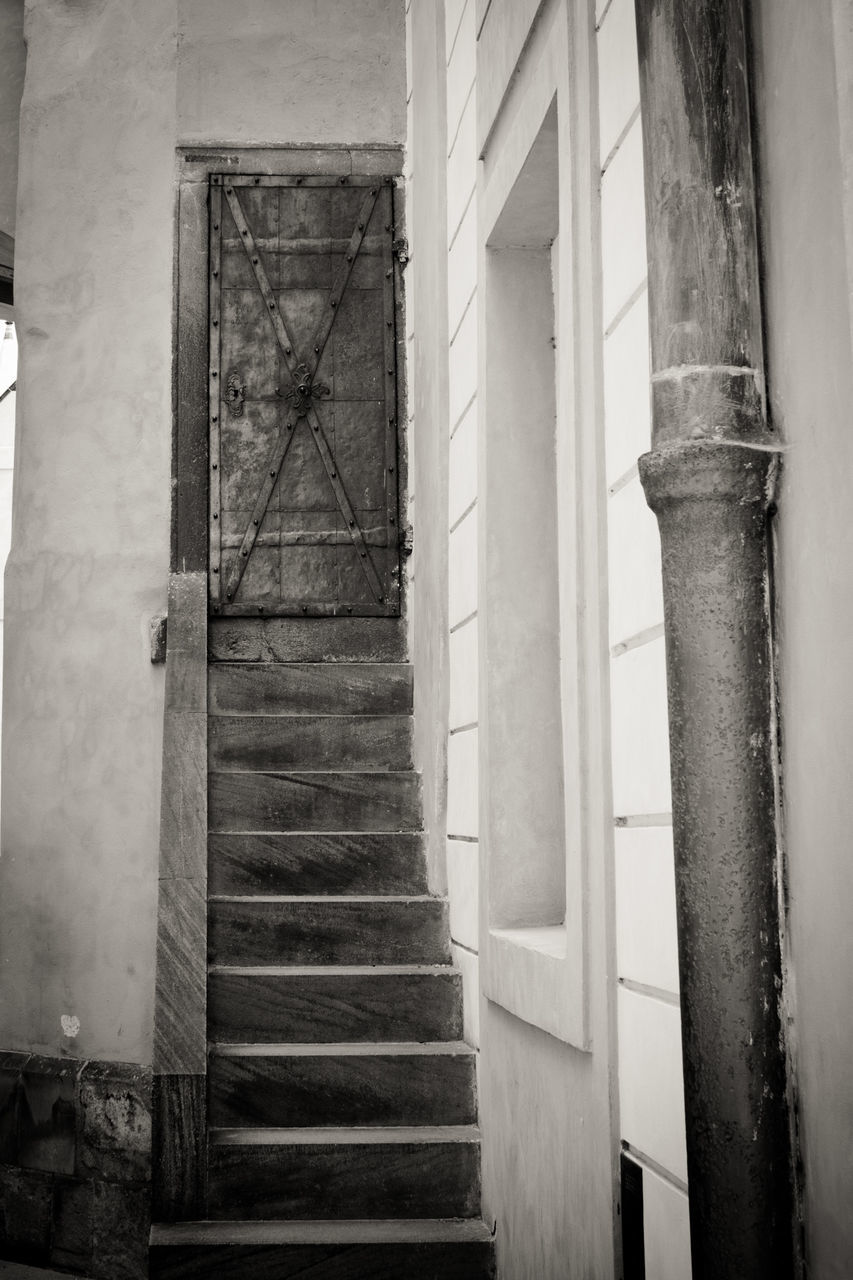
527,822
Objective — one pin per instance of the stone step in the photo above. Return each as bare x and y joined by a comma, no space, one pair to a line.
310,688
307,639
327,931
375,1084
279,1005
418,1249
309,742
370,862
314,801
344,1173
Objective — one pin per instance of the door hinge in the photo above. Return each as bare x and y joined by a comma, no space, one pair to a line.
401,248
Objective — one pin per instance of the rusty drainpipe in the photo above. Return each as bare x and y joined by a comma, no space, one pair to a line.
709,478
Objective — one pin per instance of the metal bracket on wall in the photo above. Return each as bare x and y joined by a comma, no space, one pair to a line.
157,637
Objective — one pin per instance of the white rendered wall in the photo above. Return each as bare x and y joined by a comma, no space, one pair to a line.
804,117
651,1093
462,361
545,1106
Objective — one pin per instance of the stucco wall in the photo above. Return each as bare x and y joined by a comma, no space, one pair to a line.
316,71
804,129
12,61
545,1106
82,704
112,86
651,1093
426,328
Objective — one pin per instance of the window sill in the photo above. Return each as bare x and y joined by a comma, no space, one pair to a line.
537,975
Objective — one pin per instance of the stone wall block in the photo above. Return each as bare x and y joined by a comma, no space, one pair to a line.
115,1122
73,1205
11,1086
47,1115
25,1210
121,1223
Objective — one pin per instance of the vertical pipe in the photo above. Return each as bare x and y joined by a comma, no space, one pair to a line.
709,478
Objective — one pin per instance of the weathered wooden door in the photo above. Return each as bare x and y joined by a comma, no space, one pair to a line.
303,397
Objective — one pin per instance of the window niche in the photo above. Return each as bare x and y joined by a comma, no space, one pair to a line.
533,909
527,837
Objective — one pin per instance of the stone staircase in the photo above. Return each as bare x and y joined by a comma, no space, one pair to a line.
342,1125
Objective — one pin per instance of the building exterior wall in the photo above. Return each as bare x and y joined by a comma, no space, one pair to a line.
112,89
110,92
651,1103
13,56
426,308
564,931
804,122
549,1163
83,706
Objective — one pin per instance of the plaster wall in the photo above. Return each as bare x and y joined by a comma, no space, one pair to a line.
545,1107
13,56
82,704
804,126
426,309
548,1110
111,88
650,1081
310,71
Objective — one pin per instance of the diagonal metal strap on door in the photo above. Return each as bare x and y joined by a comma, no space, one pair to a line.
302,391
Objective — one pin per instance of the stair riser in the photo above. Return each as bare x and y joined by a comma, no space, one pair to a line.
329,933
369,1261
314,802
370,1089
309,742
329,1009
310,689
371,863
345,1180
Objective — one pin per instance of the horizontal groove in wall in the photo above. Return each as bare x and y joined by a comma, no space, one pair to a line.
464,728
652,993
459,523
626,307
643,820
456,523
465,311
622,136
462,12
600,23
652,1165
461,217
624,479
646,636
461,117
471,195
483,23
463,947
463,622
464,839
458,423
471,88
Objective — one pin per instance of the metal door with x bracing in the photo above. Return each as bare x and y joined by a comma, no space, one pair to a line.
303,397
